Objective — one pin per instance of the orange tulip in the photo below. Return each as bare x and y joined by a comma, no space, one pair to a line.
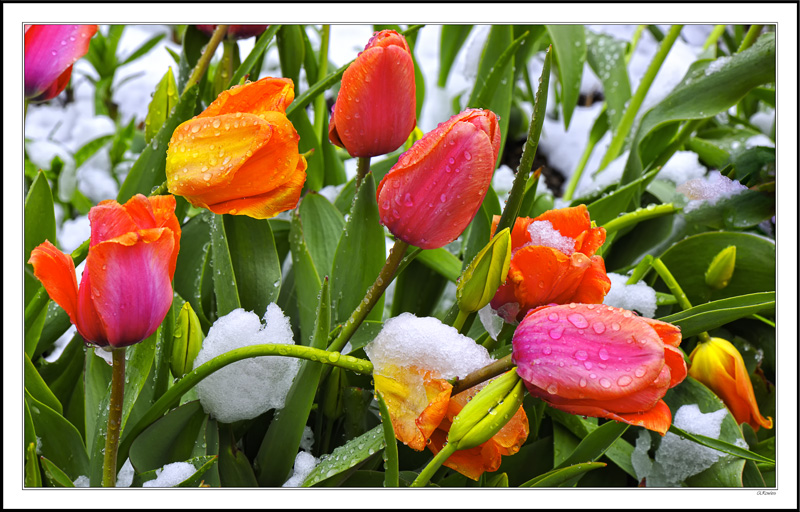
718,365
126,287
601,361
422,411
376,109
239,156
552,261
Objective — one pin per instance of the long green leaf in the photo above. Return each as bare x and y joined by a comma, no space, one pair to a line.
61,441
33,477
717,313
40,226
193,269
54,475
559,476
451,40
139,361
170,439
606,56
722,446
225,286
442,261
390,457
347,456
258,50
569,45
594,445
36,386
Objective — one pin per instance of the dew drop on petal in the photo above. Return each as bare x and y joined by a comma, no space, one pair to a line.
599,327
556,332
582,382
640,371
553,317
546,350
577,320
603,353
605,383
581,355
624,380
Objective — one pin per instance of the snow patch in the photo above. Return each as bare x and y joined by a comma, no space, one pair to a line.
171,475
639,296
304,464
709,190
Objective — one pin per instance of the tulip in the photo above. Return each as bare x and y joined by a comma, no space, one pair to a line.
435,189
718,365
601,361
376,109
720,270
236,31
485,273
240,156
50,52
552,261
126,286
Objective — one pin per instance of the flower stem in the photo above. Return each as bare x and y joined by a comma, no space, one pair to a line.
750,37
638,215
320,109
458,323
361,170
205,58
487,372
628,117
714,36
424,477
114,417
373,294
201,372
677,291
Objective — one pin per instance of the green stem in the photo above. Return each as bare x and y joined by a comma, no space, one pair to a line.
385,277
765,320
361,170
205,58
437,461
637,216
714,36
629,116
201,372
458,323
159,190
483,374
320,108
676,290
114,417
750,37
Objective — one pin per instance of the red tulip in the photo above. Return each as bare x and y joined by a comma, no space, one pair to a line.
126,287
435,189
597,360
50,52
236,31
376,109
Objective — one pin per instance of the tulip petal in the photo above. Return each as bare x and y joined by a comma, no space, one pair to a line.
571,221
669,334
376,110
428,206
673,358
131,288
89,323
595,284
50,52
265,95
471,463
109,219
56,271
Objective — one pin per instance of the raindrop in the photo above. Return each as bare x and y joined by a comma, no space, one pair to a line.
615,326
546,350
581,355
557,332
577,320
599,327
605,383
624,380
553,317
640,371
603,353
467,155
552,389
582,382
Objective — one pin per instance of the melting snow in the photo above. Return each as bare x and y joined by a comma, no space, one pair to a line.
171,475
639,296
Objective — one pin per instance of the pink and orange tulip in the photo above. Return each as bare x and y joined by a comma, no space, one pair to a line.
240,156
552,261
126,286
50,52
718,365
436,187
601,361
376,109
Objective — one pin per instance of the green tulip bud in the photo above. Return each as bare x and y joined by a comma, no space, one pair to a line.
720,270
487,412
187,337
486,272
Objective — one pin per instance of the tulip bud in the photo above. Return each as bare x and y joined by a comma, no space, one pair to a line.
469,428
376,108
720,270
187,337
435,189
486,272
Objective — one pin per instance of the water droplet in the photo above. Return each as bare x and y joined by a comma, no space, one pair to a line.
195,128
588,365
577,320
582,382
452,160
407,200
556,332
546,350
599,327
206,176
640,371
615,326
624,380
553,317
605,383
603,353
443,198
467,155
581,355
552,389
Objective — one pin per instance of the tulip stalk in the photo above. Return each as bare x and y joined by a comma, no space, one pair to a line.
114,416
205,59
385,277
425,475
483,374
361,170
676,290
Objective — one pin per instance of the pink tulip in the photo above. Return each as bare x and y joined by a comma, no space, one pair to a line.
50,52
597,360
435,189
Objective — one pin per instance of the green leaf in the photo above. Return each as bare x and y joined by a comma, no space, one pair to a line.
35,385
315,173
442,261
61,441
606,56
193,271
557,477
417,290
149,169
169,439
722,446
332,165
609,206
744,210
143,49
234,468
255,54
279,447
34,324
193,43
366,332
306,277
41,226
569,45
96,378
291,51
451,40
254,260
754,271
225,289
54,475
33,477
390,458
139,360
347,456
90,148
717,313
164,99
359,256
594,445
321,86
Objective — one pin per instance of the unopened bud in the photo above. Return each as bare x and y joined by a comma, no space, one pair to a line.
720,270
187,337
486,272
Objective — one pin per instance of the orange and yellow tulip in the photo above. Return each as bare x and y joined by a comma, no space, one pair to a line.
552,261
718,365
239,156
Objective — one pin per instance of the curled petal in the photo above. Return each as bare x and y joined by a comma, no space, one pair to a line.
56,271
266,95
